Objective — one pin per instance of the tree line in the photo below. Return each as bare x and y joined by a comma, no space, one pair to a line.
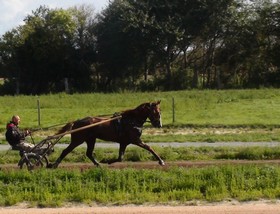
144,45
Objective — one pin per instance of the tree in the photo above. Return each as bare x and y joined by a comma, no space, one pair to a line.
52,45
117,54
10,67
84,43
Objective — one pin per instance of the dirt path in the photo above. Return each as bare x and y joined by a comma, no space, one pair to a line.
221,208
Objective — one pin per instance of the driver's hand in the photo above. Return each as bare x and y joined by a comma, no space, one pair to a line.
27,132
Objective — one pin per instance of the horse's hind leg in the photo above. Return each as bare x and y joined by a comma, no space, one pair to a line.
89,153
121,154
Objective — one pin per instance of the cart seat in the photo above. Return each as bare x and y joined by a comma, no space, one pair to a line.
15,147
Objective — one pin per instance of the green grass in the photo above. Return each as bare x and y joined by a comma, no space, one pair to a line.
104,186
208,116
135,154
52,188
250,115
204,108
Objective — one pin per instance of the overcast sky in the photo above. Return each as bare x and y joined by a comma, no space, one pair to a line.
12,12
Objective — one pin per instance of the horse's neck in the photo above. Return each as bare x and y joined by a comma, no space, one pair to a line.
133,116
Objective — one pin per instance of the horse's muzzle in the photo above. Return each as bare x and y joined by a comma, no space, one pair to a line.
157,123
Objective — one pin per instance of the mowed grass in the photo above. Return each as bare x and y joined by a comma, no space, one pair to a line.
208,115
201,108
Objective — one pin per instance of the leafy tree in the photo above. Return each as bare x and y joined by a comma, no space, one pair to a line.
155,44
84,44
117,54
243,59
52,45
10,67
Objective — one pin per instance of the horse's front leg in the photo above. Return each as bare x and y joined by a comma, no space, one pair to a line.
121,154
61,157
148,148
65,152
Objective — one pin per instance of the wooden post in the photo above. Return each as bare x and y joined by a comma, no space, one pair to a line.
66,85
173,110
39,113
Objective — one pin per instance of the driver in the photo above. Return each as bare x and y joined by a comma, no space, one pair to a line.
16,137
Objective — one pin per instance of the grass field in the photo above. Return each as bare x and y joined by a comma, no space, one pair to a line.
169,154
232,115
210,115
196,108
52,188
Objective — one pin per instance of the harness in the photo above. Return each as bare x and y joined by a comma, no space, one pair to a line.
136,124
122,123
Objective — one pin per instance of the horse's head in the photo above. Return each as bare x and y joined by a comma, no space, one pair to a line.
146,110
154,114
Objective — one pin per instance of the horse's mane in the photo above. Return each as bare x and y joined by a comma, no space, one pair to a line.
133,111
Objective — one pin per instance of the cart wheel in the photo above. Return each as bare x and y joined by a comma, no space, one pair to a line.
33,161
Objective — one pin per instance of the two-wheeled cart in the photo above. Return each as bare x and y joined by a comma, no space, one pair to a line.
37,157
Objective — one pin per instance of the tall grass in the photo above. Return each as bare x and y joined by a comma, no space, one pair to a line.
48,188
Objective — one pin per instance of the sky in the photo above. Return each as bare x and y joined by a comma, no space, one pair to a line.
14,11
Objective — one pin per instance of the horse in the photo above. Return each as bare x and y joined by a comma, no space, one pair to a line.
125,130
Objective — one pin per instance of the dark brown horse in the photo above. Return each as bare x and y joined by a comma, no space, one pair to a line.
126,130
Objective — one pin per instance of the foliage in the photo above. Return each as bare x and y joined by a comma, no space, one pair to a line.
45,51
144,45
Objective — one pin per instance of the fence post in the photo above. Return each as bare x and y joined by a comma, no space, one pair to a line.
39,114
173,110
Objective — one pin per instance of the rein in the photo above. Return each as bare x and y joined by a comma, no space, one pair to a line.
46,128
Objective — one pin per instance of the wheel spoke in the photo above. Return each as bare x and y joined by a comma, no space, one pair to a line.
33,161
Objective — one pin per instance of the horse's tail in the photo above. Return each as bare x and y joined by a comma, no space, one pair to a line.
65,128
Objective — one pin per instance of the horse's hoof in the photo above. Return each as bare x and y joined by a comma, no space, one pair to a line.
104,161
49,166
97,165
162,163
52,166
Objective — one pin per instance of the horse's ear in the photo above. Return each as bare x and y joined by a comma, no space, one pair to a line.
154,103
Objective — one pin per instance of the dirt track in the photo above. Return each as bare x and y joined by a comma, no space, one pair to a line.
221,208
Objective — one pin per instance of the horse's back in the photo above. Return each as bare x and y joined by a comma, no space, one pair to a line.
88,121
104,131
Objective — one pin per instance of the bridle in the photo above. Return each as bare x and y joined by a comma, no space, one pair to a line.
153,111
150,112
